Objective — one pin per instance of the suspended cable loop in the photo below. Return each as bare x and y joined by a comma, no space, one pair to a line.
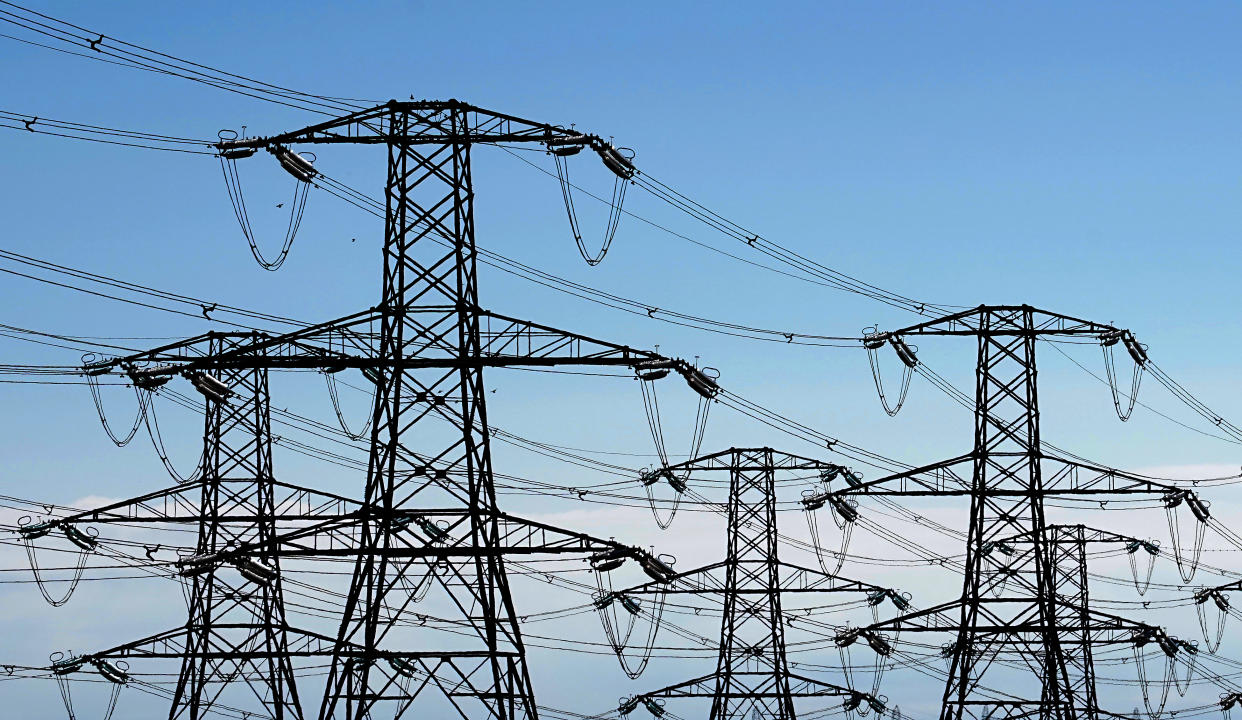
301,167
329,376
1212,640
1139,640
619,613
873,340
94,367
561,148
702,382
1186,564
64,665
157,441
1152,550
86,541
1108,342
844,515
1189,651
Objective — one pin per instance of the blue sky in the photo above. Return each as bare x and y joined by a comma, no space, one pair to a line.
1079,157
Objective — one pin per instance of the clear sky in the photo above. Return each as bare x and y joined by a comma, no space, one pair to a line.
1081,157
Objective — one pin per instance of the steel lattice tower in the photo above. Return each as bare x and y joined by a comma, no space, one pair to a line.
1009,606
1067,548
429,517
752,677
434,343
236,632
1007,455
752,631
237,607
430,291
247,520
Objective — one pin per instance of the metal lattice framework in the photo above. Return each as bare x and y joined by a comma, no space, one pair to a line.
236,632
429,512
1067,548
226,613
752,677
429,515
1009,613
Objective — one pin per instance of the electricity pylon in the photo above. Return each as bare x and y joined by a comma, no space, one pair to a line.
434,344
1067,549
236,632
1008,601
752,677
315,524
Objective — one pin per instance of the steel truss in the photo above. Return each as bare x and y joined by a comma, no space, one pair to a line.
236,630
1067,547
427,365
752,677
1010,613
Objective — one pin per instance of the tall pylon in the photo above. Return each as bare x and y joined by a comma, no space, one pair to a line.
1067,548
753,677
1008,606
236,634
430,458
241,608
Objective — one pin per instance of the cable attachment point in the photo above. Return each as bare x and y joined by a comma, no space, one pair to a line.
872,341
150,378
656,567
616,161
565,146
296,165
209,386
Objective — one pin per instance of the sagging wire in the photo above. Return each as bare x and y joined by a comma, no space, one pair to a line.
1190,650
844,640
873,340
606,600
300,166
1193,402
93,369
1141,639
561,149
797,262
1186,566
1108,342
418,590
649,478
152,421
590,294
1221,601
86,541
844,514
65,665
647,376
1001,571
1153,550
330,378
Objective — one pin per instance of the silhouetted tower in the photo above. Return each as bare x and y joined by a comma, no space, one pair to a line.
236,633
752,677
435,342
1067,547
239,607
752,672
1008,604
